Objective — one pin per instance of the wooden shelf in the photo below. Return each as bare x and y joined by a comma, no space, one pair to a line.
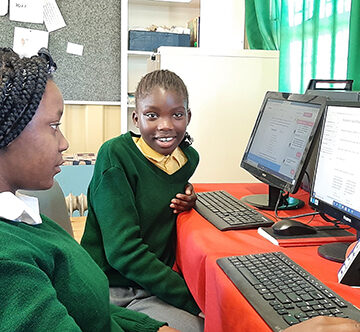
140,53
192,3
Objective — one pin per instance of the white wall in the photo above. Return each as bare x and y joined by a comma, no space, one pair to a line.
222,24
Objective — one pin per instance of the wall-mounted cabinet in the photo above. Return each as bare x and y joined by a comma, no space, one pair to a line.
140,14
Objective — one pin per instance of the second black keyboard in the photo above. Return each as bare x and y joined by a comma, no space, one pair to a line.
226,212
281,291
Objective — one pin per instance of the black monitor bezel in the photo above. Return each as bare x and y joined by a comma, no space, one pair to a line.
267,177
322,206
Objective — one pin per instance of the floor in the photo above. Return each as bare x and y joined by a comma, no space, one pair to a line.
78,225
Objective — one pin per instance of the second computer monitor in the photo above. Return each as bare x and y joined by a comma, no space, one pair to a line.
336,188
280,144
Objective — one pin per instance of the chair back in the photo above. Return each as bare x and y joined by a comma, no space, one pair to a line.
52,204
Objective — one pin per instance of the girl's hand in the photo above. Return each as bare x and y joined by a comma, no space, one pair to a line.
167,329
184,202
326,324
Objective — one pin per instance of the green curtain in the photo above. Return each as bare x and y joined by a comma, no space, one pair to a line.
312,36
353,70
262,24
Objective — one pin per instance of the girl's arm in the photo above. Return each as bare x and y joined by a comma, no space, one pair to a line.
29,301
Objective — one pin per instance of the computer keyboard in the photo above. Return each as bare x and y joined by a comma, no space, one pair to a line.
281,291
226,212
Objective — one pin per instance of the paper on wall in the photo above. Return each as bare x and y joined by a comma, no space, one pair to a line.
4,4
52,16
27,42
30,11
75,48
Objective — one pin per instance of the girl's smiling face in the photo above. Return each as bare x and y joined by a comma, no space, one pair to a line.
162,117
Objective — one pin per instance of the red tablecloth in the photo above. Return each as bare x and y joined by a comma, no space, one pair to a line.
200,244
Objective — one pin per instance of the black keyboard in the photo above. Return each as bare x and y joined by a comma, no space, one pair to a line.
226,212
281,291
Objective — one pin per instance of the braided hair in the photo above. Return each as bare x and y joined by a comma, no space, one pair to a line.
167,80
22,85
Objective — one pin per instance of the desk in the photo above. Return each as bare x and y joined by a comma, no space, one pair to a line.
200,244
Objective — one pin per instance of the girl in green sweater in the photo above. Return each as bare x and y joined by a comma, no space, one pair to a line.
47,281
139,185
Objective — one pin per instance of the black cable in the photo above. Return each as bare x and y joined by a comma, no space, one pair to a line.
335,222
291,217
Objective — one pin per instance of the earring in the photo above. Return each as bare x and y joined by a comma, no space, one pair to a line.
188,139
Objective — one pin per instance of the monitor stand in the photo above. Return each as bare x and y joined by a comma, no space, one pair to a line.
334,251
268,201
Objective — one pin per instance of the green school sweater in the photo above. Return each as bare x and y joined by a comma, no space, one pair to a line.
130,228
48,282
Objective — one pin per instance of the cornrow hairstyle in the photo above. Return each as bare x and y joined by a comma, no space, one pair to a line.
167,80
22,85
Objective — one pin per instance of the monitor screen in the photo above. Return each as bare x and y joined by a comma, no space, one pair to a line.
336,187
331,95
280,144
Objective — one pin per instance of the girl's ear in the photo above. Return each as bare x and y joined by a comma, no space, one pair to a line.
188,115
135,118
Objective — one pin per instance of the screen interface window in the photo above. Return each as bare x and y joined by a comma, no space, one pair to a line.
282,136
337,180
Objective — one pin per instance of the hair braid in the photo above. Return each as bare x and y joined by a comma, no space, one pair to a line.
167,80
22,85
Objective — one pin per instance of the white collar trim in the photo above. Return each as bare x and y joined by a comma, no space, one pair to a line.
20,208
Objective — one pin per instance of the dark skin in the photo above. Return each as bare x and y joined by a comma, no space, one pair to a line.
326,324
184,202
162,118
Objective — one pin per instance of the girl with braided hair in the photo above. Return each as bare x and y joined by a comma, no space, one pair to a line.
139,185
48,282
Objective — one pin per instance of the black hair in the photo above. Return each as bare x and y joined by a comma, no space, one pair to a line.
167,80
22,85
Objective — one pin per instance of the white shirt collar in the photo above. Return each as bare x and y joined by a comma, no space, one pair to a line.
20,208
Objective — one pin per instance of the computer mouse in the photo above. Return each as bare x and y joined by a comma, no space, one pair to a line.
292,227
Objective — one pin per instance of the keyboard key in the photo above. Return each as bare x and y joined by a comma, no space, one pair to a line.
293,297
306,297
340,303
268,296
290,319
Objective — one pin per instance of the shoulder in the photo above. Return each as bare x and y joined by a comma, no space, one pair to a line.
16,241
115,143
191,154
115,150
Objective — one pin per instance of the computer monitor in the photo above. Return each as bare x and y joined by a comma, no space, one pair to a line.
335,95
336,186
280,145
331,95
